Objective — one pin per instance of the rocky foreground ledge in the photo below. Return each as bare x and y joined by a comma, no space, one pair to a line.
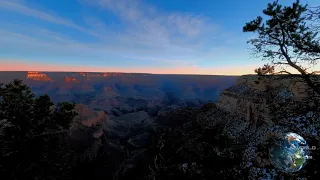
226,140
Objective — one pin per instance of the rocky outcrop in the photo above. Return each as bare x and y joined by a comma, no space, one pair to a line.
251,95
89,117
86,133
253,106
259,100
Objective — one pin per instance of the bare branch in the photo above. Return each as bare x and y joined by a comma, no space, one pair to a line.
281,72
280,63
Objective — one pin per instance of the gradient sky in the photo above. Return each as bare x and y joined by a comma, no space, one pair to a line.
150,36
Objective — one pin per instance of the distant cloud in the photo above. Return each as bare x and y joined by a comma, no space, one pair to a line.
50,43
157,28
18,7
22,9
189,25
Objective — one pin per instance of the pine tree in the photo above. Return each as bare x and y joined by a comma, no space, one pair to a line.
286,38
33,135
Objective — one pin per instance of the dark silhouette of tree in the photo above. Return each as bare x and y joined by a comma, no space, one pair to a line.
266,69
287,39
64,114
33,134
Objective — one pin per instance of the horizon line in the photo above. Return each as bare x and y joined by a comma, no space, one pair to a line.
122,72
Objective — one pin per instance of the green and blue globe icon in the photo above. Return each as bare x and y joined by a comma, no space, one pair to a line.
290,153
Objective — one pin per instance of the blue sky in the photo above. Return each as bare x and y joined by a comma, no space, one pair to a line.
154,36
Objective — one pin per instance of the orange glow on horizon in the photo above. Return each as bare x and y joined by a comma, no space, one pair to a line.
24,66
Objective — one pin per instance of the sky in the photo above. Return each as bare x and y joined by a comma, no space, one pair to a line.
141,36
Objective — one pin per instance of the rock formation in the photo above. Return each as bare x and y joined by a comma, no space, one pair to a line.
38,76
68,79
86,132
250,96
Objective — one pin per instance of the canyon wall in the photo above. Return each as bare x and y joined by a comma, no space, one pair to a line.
249,97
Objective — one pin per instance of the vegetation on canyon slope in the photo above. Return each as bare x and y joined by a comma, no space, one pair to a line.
33,134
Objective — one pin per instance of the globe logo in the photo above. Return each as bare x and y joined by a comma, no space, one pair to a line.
290,153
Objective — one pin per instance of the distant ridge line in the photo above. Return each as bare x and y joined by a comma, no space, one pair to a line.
77,72
154,73
129,73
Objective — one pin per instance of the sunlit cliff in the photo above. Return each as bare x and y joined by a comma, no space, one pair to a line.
38,76
68,79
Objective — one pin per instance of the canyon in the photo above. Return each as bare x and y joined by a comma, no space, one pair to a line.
120,93
133,126
235,129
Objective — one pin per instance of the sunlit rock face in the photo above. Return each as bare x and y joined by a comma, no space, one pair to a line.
98,74
68,79
38,76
